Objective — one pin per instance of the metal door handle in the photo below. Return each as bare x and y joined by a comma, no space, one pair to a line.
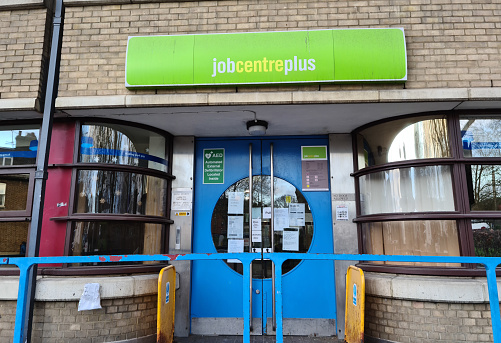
272,192
250,231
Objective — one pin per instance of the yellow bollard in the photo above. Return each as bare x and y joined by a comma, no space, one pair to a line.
166,304
355,305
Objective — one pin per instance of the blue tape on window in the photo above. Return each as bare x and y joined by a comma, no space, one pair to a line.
124,153
25,154
485,145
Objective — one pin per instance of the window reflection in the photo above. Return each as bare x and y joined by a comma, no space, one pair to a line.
487,237
14,192
481,136
287,200
415,189
484,187
120,192
420,238
402,140
13,239
120,144
19,145
115,238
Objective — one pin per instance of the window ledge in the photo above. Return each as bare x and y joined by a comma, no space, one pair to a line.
428,288
71,288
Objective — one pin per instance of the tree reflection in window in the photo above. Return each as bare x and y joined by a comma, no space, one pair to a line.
284,194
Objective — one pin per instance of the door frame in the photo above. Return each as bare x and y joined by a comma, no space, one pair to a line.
230,325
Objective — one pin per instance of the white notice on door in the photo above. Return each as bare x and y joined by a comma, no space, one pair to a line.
235,246
296,214
281,219
256,230
266,212
290,240
235,202
235,227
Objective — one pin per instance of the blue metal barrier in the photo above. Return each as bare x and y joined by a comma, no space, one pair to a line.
26,263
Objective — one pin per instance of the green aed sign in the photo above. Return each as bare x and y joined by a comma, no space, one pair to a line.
213,166
349,55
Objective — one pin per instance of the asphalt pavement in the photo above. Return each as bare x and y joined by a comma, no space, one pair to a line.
255,339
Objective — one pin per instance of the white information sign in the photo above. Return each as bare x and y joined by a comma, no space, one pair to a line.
290,240
235,227
296,214
181,200
256,230
342,213
266,212
236,203
281,219
235,246
256,212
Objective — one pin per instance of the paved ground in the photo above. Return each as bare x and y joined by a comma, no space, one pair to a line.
255,339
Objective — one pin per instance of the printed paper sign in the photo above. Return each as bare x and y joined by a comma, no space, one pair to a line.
236,203
256,230
256,212
181,200
290,240
342,213
235,246
235,227
281,219
296,214
266,212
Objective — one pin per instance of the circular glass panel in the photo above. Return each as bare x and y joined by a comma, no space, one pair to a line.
293,229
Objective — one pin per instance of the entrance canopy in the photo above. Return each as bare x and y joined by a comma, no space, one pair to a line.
287,113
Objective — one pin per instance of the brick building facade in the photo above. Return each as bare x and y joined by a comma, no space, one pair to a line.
453,56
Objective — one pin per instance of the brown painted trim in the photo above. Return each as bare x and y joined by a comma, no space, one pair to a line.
92,217
116,167
103,270
417,270
405,164
4,215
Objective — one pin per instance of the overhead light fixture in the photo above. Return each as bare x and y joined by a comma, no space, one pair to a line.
257,127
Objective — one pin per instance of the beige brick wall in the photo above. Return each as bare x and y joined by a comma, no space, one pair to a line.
23,52
60,321
450,43
426,322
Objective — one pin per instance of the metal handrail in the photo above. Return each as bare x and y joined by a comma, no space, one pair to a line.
25,264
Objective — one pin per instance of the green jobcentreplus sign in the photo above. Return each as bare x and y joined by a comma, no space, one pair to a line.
349,55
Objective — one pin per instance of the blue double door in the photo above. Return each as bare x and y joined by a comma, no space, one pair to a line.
225,221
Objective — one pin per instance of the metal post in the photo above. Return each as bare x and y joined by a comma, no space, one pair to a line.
23,298
42,161
277,306
273,271
250,233
247,298
493,300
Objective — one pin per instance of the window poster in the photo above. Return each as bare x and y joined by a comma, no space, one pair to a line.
290,239
266,212
256,212
235,246
256,230
235,227
281,219
296,214
235,202
181,199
